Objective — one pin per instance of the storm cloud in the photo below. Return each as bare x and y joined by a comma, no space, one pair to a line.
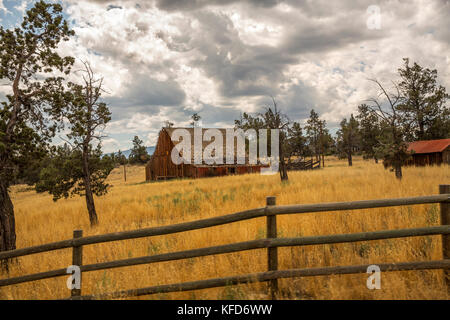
166,59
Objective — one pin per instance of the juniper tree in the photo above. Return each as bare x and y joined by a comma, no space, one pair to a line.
81,169
31,113
423,102
64,175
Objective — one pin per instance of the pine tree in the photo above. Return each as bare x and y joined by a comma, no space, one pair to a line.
120,158
424,102
139,152
318,136
295,141
370,131
348,138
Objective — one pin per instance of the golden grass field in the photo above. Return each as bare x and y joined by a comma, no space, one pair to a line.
136,204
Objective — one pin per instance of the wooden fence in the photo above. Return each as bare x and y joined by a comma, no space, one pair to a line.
271,242
304,165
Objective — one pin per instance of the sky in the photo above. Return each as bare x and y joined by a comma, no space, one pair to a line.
167,59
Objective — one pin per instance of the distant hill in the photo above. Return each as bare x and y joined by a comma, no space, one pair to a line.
126,153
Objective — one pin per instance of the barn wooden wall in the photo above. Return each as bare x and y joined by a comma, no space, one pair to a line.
429,159
161,166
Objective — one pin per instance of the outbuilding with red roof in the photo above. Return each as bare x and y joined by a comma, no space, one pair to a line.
429,152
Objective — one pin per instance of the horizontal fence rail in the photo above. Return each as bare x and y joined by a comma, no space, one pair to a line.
237,247
226,219
268,276
271,243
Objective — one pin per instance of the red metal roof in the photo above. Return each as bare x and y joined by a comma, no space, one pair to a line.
429,146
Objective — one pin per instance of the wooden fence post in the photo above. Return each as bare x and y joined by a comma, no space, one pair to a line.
272,253
445,220
77,260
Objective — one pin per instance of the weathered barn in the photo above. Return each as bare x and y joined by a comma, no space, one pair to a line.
161,167
429,152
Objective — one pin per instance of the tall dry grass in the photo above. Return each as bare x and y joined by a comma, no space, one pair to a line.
136,204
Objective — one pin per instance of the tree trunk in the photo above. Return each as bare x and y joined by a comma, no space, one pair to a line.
7,224
376,160
349,157
283,171
282,164
88,191
323,161
398,171
90,205
285,174
421,134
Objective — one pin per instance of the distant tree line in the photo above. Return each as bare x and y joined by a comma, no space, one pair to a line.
381,129
415,108
138,154
316,142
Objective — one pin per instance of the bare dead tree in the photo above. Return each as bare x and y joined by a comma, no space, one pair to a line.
81,169
392,146
274,119
89,115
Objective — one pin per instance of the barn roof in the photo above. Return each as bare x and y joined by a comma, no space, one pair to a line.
429,146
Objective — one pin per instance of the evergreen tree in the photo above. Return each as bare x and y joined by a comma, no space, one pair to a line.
423,102
64,174
394,127
31,114
272,118
247,121
369,130
326,141
195,119
120,158
318,136
139,152
295,142
348,138
87,116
